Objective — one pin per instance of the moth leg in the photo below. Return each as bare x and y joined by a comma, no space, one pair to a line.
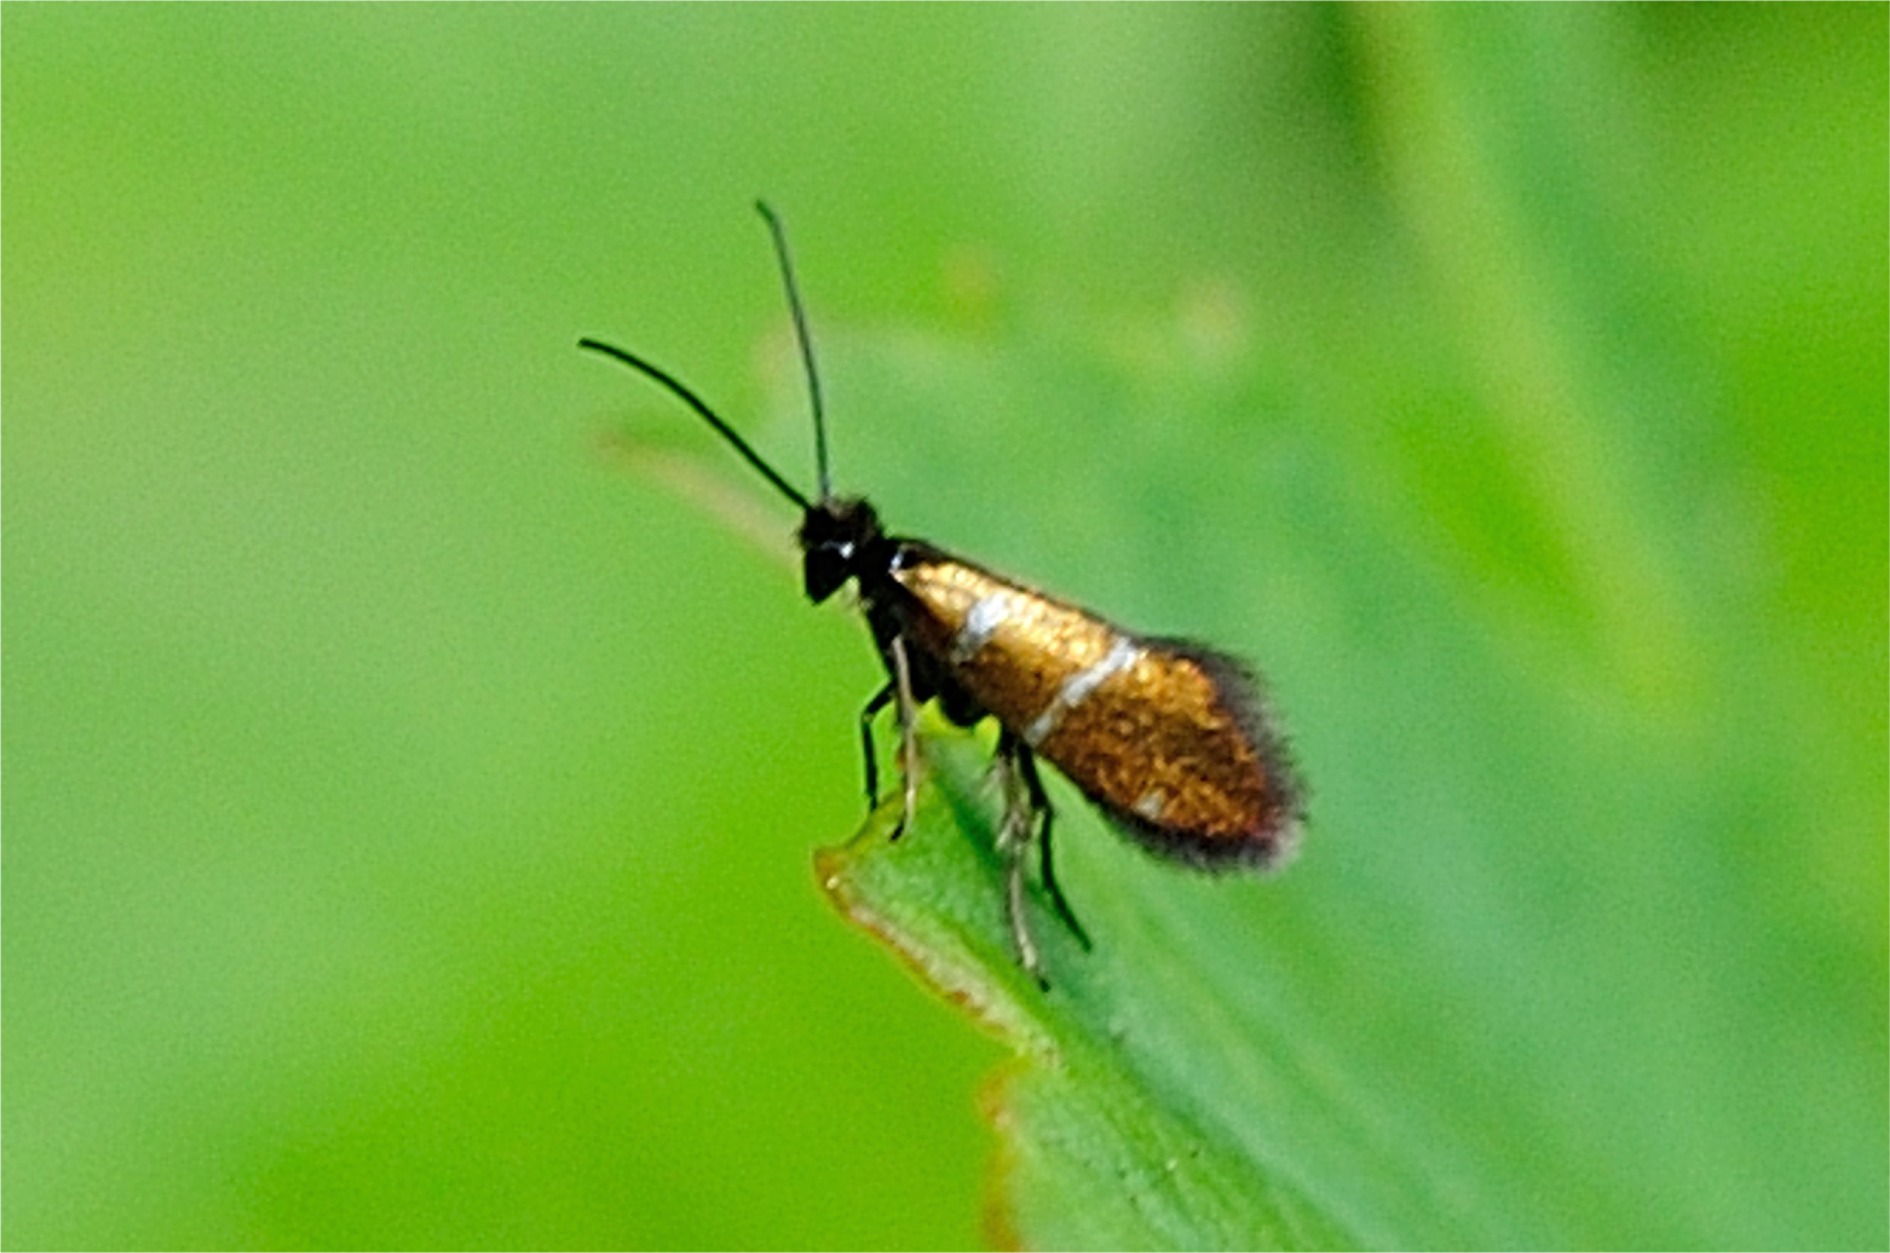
1013,842
909,740
880,700
1040,802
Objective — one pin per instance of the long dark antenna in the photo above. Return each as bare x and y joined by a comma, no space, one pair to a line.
807,346
696,402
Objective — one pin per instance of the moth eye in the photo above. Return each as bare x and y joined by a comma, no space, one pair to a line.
825,569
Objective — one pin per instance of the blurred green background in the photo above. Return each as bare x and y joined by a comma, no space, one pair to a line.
407,812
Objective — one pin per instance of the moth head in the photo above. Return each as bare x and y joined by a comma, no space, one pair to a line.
835,537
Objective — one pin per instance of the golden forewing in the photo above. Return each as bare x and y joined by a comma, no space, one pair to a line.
1166,737
1158,741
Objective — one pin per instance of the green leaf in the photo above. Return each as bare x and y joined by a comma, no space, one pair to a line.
1571,955
1569,582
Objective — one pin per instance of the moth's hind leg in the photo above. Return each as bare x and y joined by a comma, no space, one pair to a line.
1040,801
1013,838
1024,803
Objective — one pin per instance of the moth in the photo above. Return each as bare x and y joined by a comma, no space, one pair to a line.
1170,739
